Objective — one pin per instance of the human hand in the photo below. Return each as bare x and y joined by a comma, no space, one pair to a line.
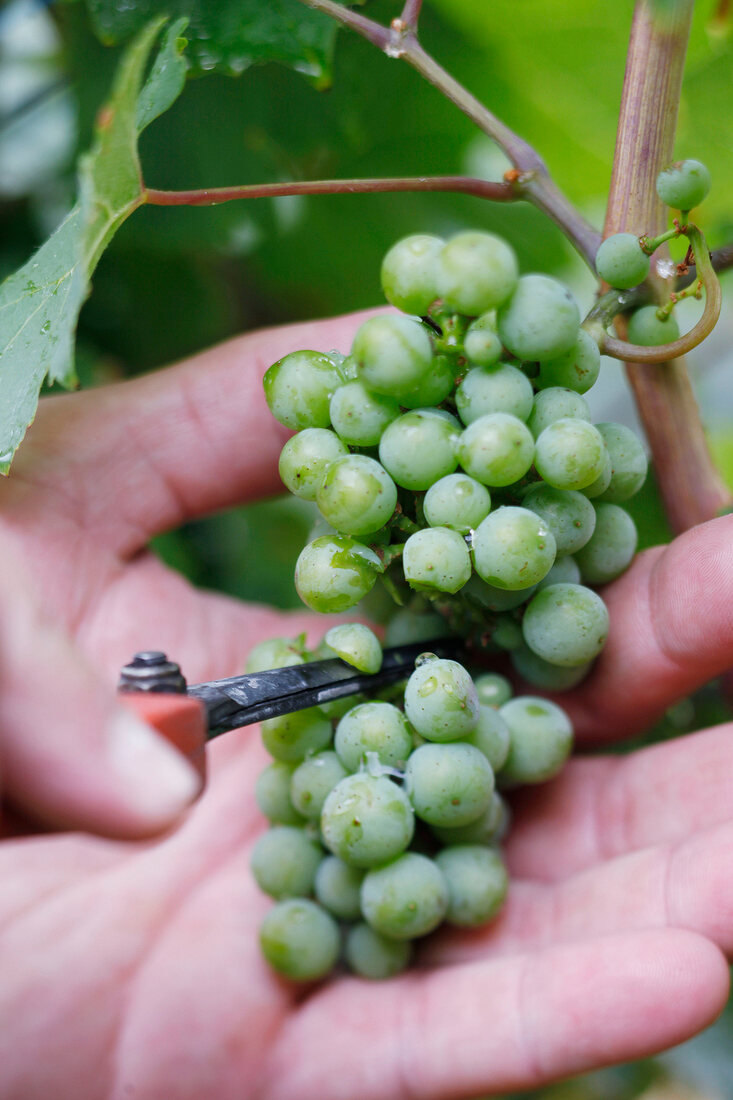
133,967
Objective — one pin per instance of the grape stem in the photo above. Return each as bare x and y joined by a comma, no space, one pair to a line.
411,14
529,173
662,353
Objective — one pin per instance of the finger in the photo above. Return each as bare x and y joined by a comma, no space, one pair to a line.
70,754
183,441
686,885
671,631
601,808
500,1024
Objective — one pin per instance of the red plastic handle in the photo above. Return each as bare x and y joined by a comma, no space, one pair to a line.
178,718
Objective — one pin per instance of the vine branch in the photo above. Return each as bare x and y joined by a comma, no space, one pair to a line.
467,185
411,14
530,175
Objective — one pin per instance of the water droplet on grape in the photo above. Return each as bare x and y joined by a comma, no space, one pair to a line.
423,658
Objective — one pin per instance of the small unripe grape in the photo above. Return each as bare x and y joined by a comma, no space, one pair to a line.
493,689
290,737
406,898
683,185
373,956
556,403
620,261
541,739
501,388
356,644
441,700
576,370
564,570
272,794
476,272
491,736
313,780
434,387
647,330
419,448
300,940
393,354
284,861
367,820
357,495
566,624
542,674
410,273
570,454
456,501
611,547
337,887
481,343
334,572
540,320
373,727
628,462
274,653
436,559
298,389
570,516
477,883
513,548
305,459
360,416
449,785
497,449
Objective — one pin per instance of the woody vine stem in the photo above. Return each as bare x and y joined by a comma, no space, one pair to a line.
691,488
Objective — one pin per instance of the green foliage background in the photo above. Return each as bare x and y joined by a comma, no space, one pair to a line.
177,280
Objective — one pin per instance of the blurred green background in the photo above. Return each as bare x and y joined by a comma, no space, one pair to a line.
177,280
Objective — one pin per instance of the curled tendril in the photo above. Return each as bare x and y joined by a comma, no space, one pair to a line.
662,353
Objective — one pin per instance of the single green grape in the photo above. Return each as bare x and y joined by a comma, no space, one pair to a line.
491,736
476,272
542,674
456,501
337,887
298,389
284,861
272,794
620,261
576,370
441,700
611,548
418,448
305,458
570,454
684,184
373,727
492,689
513,548
357,495
291,736
481,343
373,956
540,320
449,785
628,462
434,387
356,644
506,633
541,739
334,572
313,780
407,626
496,449
565,570
360,416
274,653
556,403
569,515
489,829
300,940
410,273
501,388
566,624
367,820
393,354
436,559
648,330
477,883
406,898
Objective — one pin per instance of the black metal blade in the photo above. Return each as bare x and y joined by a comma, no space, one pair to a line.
241,700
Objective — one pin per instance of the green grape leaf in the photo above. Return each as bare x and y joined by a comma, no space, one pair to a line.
230,35
40,303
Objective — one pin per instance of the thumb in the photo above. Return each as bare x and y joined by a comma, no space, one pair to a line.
71,755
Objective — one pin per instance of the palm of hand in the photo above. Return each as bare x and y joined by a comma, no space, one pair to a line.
135,968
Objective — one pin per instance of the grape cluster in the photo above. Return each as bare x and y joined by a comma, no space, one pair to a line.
454,457
385,818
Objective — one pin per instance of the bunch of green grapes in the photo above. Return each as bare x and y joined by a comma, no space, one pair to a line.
451,453
385,818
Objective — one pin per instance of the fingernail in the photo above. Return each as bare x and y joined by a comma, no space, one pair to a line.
158,781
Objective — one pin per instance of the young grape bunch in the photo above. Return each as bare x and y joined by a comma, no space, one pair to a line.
393,826
453,460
